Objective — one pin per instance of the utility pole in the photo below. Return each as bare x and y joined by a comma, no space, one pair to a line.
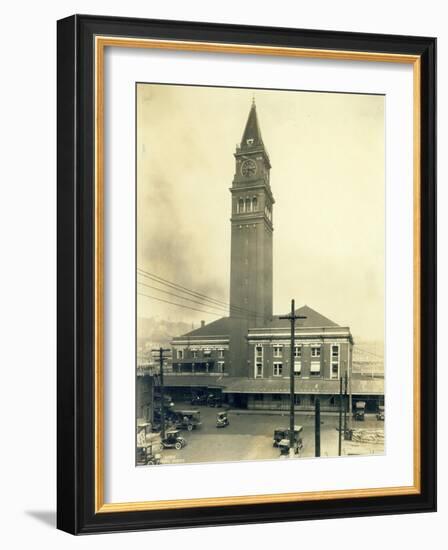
345,405
162,393
292,317
350,404
317,428
340,417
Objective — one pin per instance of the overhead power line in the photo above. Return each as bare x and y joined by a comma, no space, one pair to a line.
196,294
181,297
185,306
369,352
214,301
179,305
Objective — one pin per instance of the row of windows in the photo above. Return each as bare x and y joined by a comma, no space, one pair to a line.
199,367
251,205
247,205
314,369
315,351
277,369
195,353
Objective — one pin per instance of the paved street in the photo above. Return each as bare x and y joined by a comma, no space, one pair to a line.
249,437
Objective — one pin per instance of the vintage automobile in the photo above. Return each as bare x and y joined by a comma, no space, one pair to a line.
380,413
170,418
199,399
283,433
187,419
284,446
173,440
167,401
147,445
146,455
360,410
222,420
214,400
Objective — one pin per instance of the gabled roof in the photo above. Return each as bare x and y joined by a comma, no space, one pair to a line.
252,130
312,319
220,327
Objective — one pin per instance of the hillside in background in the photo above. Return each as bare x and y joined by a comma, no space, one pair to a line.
368,356
158,332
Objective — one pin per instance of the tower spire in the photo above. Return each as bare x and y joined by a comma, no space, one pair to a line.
252,134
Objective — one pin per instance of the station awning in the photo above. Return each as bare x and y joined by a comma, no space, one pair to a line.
194,381
302,386
234,384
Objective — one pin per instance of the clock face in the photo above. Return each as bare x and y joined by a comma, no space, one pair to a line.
248,168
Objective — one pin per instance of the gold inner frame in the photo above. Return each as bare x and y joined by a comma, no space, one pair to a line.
101,42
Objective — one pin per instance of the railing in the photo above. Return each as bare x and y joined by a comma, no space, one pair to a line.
198,373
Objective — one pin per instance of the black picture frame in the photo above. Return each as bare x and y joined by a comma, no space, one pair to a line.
76,512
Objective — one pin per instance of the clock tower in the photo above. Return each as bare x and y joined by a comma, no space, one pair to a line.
251,242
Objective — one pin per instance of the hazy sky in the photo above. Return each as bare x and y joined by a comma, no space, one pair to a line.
327,177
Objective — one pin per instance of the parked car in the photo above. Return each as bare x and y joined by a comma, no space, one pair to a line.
360,410
173,440
189,420
146,455
284,446
167,402
380,413
147,445
199,399
170,418
283,433
214,400
222,420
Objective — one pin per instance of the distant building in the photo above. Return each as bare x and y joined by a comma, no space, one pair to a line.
246,356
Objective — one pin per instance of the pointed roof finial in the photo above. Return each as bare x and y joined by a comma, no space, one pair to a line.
252,134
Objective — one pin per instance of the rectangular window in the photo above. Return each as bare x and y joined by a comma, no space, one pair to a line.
277,351
315,351
221,353
195,354
297,368
180,354
221,366
207,353
298,351
315,368
258,361
278,369
334,362
296,399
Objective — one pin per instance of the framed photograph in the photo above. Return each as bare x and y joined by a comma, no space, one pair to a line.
246,274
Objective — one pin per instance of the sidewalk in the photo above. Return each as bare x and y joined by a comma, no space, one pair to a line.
297,412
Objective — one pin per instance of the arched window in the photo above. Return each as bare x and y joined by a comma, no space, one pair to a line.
240,206
248,205
255,204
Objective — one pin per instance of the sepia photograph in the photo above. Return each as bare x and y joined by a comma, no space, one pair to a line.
260,274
